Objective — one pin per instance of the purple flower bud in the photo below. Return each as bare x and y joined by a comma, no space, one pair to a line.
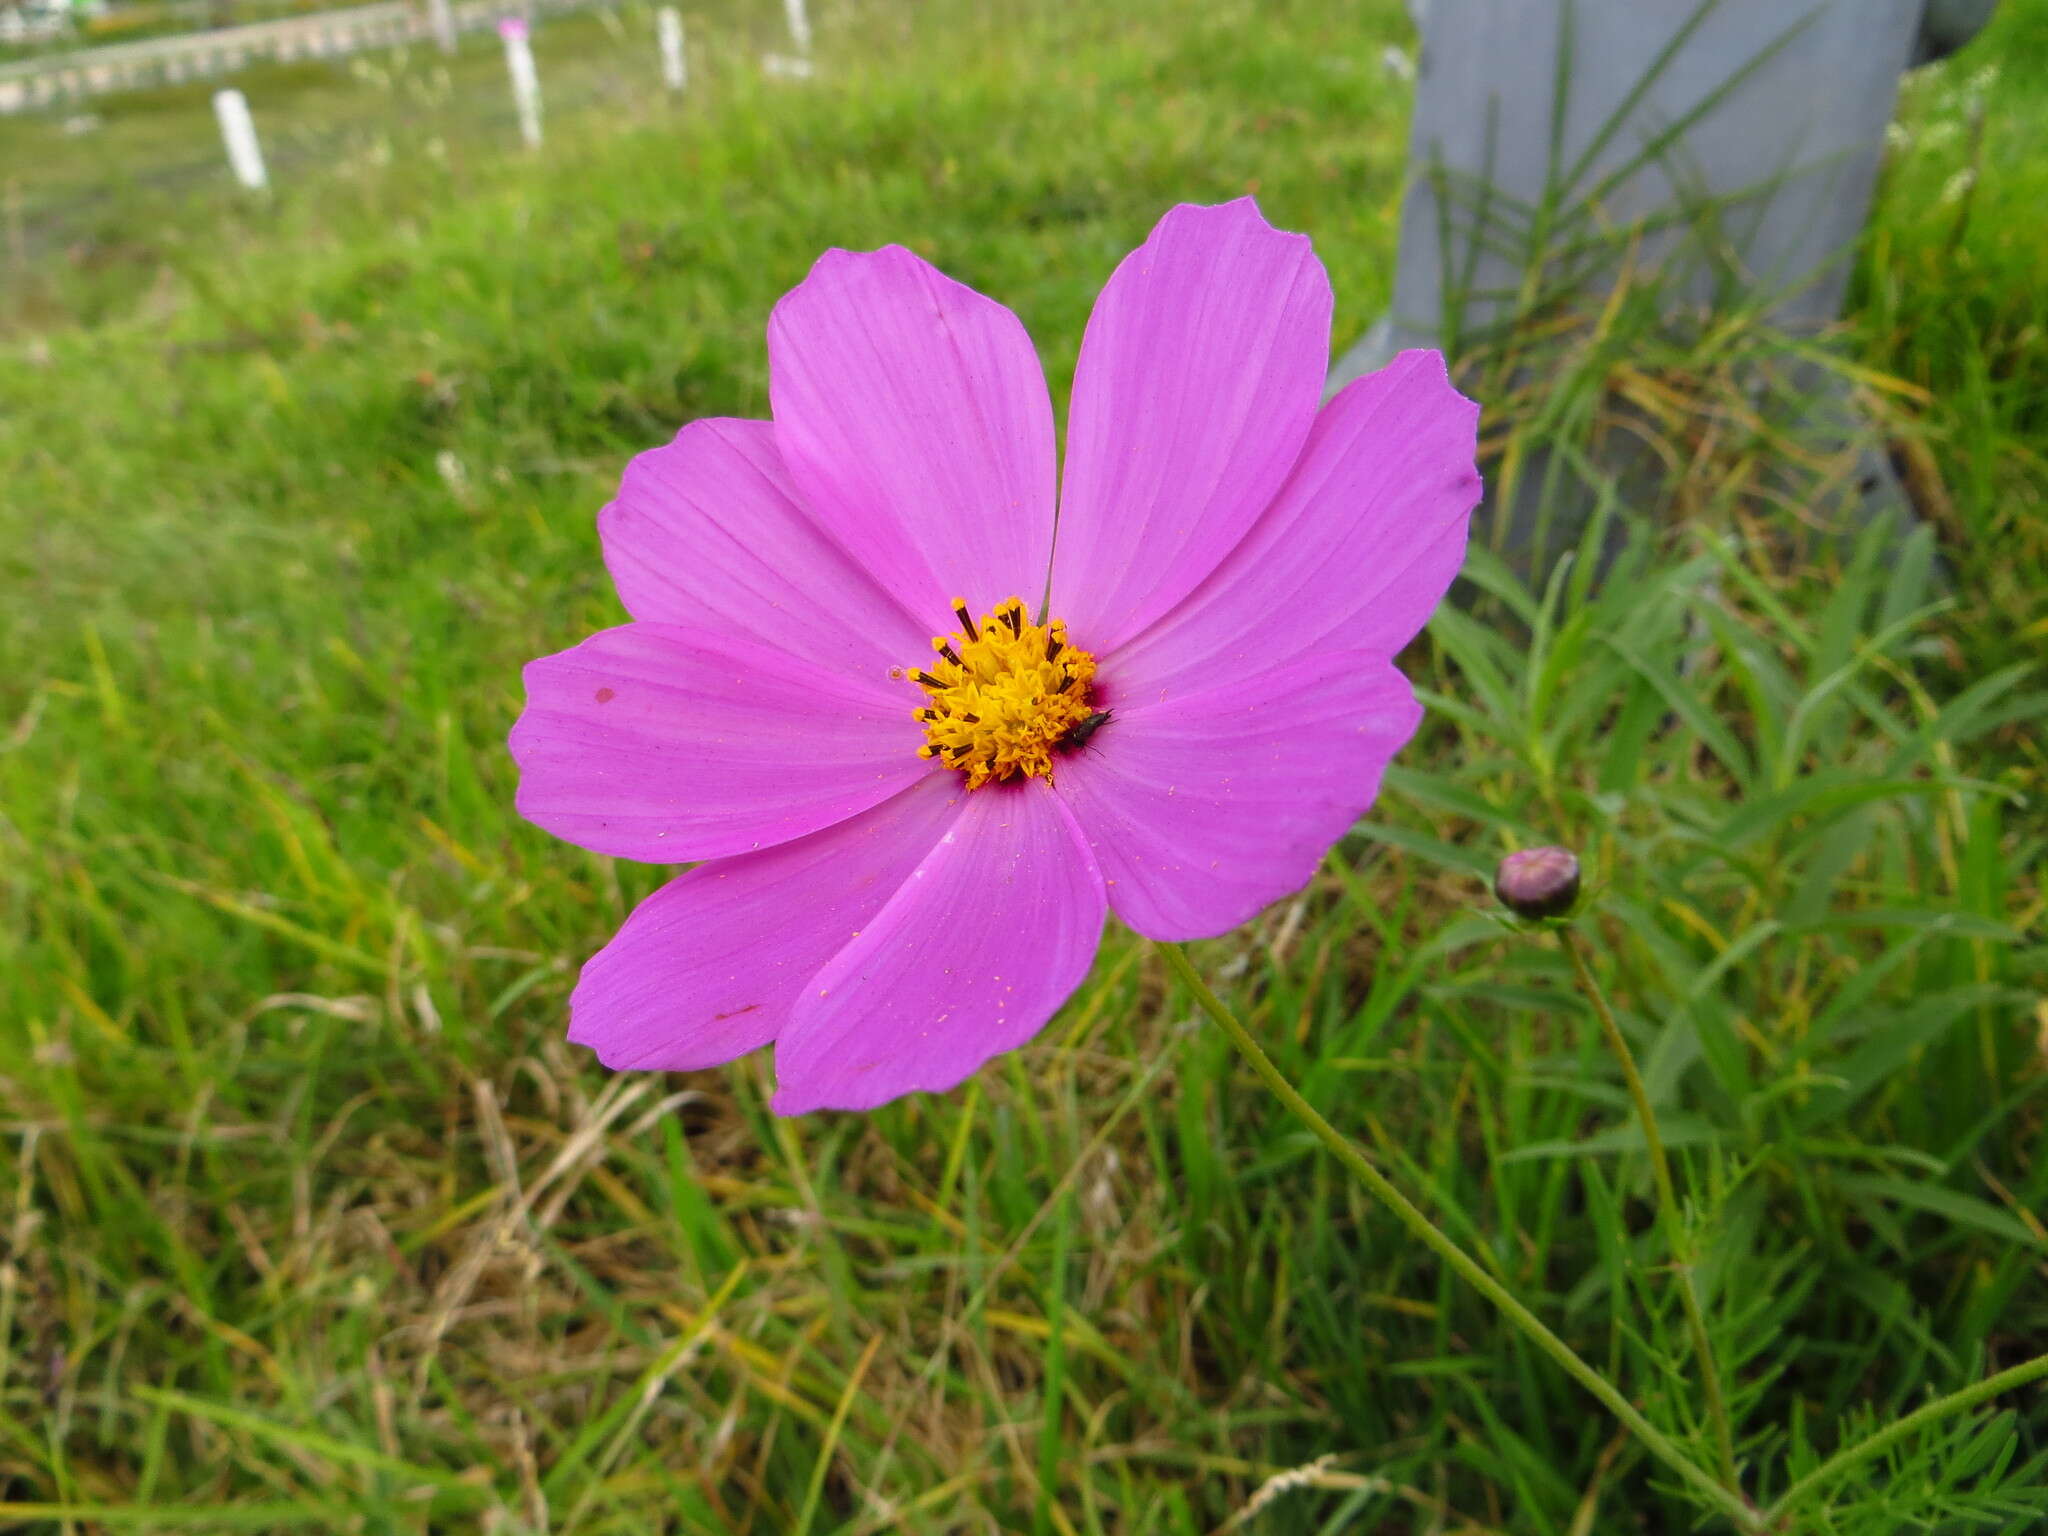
1538,882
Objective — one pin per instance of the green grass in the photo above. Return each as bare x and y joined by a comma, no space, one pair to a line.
148,173
313,1221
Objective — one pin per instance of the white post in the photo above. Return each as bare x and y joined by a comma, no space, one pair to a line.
442,18
799,25
525,82
675,69
17,227
239,130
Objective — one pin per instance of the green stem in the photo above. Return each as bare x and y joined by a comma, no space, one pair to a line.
1468,1269
1677,1236
1884,1439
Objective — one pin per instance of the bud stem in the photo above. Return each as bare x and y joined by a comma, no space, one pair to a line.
1677,1235
1727,1499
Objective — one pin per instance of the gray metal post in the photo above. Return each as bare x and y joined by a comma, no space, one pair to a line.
1739,140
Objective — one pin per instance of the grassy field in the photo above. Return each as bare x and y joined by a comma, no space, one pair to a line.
104,181
312,1219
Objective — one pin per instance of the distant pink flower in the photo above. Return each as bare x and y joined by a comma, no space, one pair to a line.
908,843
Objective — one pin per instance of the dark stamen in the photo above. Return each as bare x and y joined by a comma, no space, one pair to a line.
947,652
926,680
966,619
1065,683
1052,647
1014,617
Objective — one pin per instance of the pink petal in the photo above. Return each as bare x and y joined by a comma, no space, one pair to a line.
709,530
707,967
915,421
1356,551
1207,806
1198,379
664,743
982,944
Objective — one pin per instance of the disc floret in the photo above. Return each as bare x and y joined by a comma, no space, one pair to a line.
1002,695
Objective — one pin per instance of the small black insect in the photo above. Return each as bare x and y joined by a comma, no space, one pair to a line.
1077,738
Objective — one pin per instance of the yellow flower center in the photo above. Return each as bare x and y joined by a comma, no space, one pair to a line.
1005,696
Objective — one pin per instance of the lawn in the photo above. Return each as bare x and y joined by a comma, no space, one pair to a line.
314,1221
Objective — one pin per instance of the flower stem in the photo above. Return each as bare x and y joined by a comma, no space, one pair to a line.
1677,1236
1884,1439
1728,1501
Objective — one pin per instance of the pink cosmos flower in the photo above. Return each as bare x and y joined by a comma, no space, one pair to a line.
916,745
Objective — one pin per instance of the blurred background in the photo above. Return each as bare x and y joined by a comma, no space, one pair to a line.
311,1218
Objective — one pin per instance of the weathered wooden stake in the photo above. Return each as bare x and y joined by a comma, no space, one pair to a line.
17,226
525,81
675,68
441,17
799,24
238,130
